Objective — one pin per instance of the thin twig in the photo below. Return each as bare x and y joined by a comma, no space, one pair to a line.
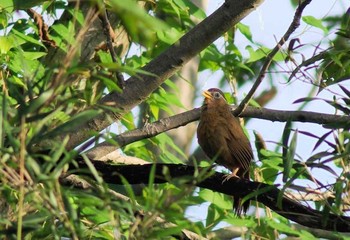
108,31
306,63
292,27
43,29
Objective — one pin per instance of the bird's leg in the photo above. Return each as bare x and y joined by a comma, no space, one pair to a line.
233,174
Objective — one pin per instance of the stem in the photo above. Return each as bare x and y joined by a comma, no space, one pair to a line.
21,176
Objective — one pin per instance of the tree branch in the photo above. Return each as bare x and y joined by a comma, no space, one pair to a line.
139,87
108,31
269,195
166,124
292,27
308,62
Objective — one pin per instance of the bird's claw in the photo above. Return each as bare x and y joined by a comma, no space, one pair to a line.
229,176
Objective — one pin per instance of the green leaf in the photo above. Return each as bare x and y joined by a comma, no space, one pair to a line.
288,164
6,43
210,59
169,36
245,30
21,38
280,226
74,123
138,23
216,198
240,222
66,33
214,216
255,55
285,140
193,9
16,80
38,102
261,53
33,55
6,5
311,20
22,5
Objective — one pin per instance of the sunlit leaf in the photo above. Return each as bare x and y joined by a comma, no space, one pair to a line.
6,43
245,30
311,20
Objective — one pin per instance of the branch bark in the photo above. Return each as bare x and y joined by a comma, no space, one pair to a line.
138,88
184,118
269,195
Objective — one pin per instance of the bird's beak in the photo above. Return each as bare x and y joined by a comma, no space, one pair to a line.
207,95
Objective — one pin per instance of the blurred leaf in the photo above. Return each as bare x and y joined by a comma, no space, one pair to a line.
335,67
216,198
262,52
345,90
311,20
320,139
38,102
210,59
334,104
282,227
241,222
169,36
287,164
33,55
75,122
214,216
7,5
20,38
22,5
6,43
140,25
290,155
192,8
245,30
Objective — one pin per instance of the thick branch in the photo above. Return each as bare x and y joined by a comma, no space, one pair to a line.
268,195
138,88
184,118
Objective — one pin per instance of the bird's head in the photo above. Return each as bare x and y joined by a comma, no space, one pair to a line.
214,96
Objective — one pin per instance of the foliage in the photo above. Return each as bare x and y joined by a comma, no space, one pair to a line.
45,97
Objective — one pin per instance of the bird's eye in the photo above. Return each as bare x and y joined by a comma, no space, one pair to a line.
216,95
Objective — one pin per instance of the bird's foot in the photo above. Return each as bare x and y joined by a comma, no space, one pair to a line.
228,176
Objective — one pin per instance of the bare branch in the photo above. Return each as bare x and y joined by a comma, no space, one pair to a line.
184,118
292,27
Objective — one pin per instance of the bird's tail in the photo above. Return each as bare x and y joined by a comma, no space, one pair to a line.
238,207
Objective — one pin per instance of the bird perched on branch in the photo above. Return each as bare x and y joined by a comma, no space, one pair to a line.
221,137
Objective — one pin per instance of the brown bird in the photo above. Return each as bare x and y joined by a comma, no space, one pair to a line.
221,137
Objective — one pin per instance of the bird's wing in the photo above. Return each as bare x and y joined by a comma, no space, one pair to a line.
239,146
